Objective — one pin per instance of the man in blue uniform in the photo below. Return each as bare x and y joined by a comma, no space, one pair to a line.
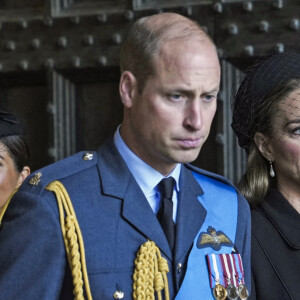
107,216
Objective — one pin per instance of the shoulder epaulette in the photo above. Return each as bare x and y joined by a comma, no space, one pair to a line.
78,162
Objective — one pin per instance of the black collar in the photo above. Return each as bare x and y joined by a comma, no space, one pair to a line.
283,216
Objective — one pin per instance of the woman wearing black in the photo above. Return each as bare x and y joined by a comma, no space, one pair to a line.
266,120
14,157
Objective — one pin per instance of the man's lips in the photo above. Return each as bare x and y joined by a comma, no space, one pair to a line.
189,142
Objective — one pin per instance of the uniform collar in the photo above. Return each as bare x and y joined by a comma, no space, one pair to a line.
146,177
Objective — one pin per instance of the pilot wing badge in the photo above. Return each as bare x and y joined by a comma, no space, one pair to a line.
214,239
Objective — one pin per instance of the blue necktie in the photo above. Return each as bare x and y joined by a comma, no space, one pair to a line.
165,212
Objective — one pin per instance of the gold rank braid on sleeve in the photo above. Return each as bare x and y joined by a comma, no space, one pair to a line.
73,240
150,273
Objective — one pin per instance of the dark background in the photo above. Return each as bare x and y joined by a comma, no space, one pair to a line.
59,66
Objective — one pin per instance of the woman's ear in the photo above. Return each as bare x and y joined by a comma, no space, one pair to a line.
127,88
264,146
24,173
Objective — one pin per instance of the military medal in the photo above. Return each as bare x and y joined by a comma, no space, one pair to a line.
243,292
234,274
241,289
219,292
226,275
230,288
216,277
232,293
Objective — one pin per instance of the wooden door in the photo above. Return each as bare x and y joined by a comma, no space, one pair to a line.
59,66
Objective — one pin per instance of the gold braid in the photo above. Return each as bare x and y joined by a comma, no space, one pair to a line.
73,240
150,273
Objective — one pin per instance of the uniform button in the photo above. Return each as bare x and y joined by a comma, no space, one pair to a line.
118,295
179,267
88,156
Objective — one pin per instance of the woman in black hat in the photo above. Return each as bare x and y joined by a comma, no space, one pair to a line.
266,120
14,156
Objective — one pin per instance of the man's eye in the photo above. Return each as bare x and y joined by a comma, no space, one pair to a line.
296,130
209,97
176,97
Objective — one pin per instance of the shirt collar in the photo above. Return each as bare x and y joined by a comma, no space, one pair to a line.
146,177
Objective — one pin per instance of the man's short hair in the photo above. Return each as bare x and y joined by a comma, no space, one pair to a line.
144,38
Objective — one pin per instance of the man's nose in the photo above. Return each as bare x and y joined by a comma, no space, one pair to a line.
193,116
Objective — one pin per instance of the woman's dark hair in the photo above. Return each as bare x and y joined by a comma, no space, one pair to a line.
18,149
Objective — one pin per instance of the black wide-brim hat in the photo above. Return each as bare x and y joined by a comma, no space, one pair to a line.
10,125
260,80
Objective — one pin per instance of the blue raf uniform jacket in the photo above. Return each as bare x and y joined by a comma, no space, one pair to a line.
115,220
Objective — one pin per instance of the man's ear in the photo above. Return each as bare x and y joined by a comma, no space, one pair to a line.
264,146
127,88
24,173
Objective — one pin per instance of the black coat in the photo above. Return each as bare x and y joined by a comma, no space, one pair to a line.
275,249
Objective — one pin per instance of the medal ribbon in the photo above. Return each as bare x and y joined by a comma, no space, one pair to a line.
232,269
239,268
225,266
215,270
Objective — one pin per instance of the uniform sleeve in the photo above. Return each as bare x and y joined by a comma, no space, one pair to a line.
243,237
32,253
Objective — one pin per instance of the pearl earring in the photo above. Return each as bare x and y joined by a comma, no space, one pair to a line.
272,172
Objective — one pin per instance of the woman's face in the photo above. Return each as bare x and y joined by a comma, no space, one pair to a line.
284,145
10,178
